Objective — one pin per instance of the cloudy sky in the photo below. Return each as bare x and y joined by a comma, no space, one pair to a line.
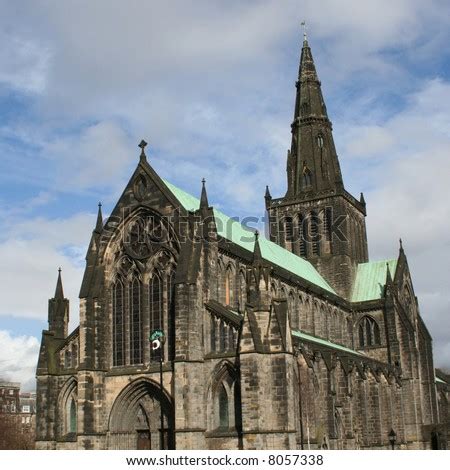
210,85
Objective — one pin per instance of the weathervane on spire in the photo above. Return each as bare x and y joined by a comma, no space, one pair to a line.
303,23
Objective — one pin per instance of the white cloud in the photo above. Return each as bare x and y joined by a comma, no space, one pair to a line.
407,160
31,250
18,359
23,64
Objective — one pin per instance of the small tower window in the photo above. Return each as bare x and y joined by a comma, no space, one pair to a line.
320,141
306,176
315,233
303,231
289,229
328,222
305,108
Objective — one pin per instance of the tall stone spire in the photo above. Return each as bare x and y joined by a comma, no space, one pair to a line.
312,160
318,219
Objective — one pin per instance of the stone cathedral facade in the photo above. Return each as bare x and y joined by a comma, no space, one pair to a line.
294,341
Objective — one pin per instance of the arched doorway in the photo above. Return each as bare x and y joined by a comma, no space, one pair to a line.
135,419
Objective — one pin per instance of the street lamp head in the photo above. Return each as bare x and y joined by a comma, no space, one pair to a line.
392,436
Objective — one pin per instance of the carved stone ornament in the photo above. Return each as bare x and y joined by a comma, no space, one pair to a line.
146,235
140,188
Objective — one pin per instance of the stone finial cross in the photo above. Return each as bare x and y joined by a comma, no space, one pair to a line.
142,146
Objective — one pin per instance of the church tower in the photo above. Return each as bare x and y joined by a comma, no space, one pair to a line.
317,218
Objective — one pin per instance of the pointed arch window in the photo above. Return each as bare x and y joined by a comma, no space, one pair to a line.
135,295
171,314
72,416
328,222
156,310
306,176
231,339
229,287
222,336
242,291
213,334
224,412
368,332
320,141
118,324
303,230
289,229
67,359
315,233
75,355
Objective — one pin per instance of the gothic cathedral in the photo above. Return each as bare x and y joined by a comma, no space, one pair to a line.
295,341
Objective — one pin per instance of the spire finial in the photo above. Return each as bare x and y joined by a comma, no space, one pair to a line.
256,235
388,275
142,146
305,38
204,197
59,294
99,224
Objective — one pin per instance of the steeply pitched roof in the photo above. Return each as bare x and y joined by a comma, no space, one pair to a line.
371,279
324,342
233,231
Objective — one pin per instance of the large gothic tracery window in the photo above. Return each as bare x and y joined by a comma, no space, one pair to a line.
142,289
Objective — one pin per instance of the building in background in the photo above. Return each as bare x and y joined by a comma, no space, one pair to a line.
9,397
17,417
297,341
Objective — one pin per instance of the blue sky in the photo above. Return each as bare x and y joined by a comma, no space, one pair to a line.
211,88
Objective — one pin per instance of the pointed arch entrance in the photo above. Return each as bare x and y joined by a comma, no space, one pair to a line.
135,419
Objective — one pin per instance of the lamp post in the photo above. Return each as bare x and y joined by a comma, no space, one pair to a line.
392,438
157,339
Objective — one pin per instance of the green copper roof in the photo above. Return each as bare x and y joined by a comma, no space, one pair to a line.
371,279
323,342
440,381
233,231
